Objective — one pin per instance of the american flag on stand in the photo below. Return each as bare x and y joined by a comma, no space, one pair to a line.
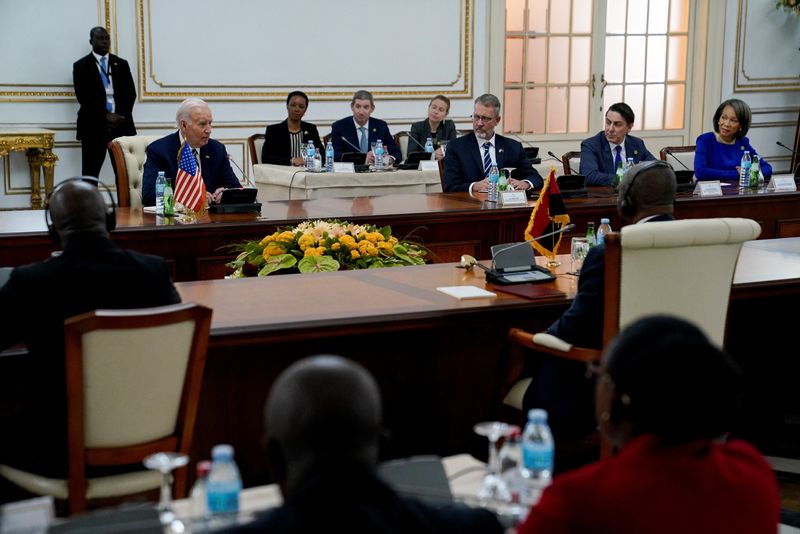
190,190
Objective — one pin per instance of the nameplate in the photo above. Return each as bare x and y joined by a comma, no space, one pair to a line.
711,188
344,166
428,165
513,198
782,183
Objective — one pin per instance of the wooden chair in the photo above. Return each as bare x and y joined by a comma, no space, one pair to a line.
682,268
128,155
571,160
255,142
133,385
684,155
401,140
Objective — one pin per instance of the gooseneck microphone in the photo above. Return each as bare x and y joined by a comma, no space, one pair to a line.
565,228
676,159
351,144
794,153
247,178
573,171
417,142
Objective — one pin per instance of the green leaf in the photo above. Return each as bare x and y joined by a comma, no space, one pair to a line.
274,263
386,232
316,264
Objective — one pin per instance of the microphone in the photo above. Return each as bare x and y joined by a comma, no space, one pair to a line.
549,153
415,140
247,178
794,153
676,159
351,144
566,228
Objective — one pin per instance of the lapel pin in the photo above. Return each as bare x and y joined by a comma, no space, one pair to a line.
635,152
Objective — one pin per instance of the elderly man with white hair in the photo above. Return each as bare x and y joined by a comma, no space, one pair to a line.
194,128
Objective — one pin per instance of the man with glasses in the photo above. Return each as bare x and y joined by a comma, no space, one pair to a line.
469,158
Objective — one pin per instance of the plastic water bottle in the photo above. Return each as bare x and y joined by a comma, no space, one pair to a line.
310,153
502,185
329,157
169,199
590,235
619,175
744,170
224,483
161,181
538,453
603,230
317,161
755,172
378,155
628,164
494,182
199,494
429,145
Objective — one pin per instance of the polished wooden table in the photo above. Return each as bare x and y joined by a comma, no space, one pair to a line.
38,146
439,361
449,224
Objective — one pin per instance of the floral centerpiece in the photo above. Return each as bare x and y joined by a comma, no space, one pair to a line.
315,246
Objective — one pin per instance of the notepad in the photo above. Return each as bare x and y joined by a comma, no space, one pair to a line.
466,292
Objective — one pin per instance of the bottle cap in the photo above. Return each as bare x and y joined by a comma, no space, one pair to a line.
605,220
203,468
222,451
537,415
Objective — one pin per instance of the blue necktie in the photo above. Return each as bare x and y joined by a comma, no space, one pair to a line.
364,143
487,158
618,157
106,82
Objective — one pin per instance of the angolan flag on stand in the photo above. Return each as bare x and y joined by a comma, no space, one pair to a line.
549,215
189,187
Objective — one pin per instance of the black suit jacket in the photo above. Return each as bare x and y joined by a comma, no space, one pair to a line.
91,95
378,129
162,155
353,500
277,147
92,273
463,162
597,161
422,130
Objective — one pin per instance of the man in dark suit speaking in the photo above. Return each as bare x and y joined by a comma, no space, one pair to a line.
194,127
468,159
357,133
601,154
105,91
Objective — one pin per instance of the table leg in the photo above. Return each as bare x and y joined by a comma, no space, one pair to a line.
35,163
49,166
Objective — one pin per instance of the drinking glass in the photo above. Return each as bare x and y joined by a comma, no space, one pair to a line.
578,252
493,486
165,463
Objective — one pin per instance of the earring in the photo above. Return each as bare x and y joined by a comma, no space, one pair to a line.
605,417
625,399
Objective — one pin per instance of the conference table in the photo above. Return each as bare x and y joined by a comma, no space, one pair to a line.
448,224
441,362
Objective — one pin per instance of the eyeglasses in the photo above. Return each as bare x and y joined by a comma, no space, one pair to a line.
481,118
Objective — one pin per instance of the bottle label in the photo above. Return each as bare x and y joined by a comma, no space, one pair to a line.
538,456
222,502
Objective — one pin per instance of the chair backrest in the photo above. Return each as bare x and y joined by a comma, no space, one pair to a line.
133,385
683,268
401,140
127,156
255,142
571,160
684,154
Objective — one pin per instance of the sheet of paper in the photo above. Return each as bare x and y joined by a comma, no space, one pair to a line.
466,292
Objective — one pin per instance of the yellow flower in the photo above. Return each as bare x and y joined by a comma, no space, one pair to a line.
393,240
305,241
321,251
267,239
336,246
354,254
387,246
311,252
371,236
348,241
272,249
286,236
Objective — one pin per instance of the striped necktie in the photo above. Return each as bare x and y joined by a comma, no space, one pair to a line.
487,158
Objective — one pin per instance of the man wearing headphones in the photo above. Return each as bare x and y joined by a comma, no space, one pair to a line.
646,193
92,272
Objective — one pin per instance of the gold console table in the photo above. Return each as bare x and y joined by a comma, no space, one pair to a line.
38,146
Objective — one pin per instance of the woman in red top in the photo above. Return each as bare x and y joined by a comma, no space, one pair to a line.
665,396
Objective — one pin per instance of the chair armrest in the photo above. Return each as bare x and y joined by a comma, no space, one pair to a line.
550,344
550,341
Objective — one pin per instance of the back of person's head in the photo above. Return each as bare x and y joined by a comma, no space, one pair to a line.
323,410
77,208
670,380
743,114
647,188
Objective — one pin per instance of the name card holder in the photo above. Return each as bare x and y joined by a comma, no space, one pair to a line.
782,183
428,165
711,188
513,198
344,166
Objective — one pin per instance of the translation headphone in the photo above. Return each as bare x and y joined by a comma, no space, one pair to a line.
111,210
626,207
